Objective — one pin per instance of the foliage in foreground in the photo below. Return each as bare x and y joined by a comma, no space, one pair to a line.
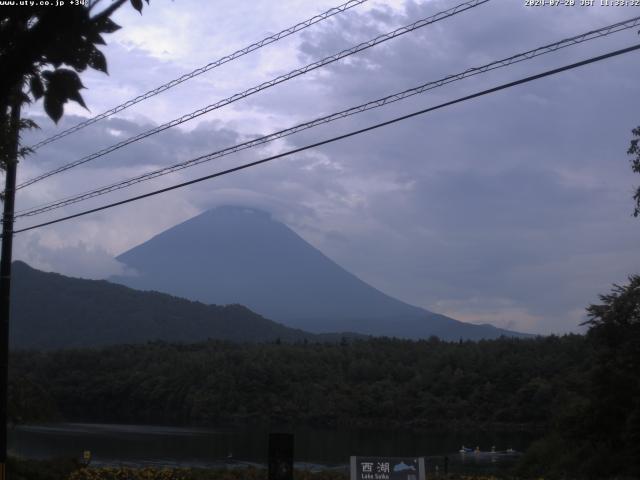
235,474
56,469
150,473
600,436
62,469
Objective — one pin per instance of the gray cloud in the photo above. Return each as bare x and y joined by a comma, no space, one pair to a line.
512,209
165,148
79,259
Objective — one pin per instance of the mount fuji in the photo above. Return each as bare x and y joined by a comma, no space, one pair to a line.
240,255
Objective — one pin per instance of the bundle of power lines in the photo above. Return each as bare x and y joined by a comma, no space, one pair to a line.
353,110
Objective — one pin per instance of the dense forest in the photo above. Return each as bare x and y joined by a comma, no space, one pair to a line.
514,383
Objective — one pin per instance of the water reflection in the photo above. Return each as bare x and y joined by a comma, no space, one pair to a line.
315,448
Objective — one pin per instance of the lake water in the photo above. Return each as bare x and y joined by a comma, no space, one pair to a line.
315,448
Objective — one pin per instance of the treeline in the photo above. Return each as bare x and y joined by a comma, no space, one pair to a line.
514,383
599,436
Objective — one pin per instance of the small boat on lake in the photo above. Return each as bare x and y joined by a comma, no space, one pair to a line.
509,451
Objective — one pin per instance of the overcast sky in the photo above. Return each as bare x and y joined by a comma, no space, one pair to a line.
512,209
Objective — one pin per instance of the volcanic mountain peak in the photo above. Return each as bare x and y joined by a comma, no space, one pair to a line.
235,254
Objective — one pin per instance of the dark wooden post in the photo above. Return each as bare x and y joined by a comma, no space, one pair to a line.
280,456
11,161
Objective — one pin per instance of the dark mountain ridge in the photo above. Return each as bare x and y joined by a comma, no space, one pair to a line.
242,255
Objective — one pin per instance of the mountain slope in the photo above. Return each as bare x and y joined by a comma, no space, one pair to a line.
53,311
242,255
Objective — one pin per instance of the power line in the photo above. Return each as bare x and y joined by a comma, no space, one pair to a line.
591,35
340,137
280,79
210,66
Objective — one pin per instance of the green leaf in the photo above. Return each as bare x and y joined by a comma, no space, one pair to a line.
97,61
28,124
53,106
62,85
76,97
137,4
37,89
95,38
64,79
106,25
24,151
61,49
81,56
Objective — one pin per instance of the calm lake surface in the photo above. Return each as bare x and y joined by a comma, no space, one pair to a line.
314,448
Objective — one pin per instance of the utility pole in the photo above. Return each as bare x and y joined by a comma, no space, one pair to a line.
11,164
